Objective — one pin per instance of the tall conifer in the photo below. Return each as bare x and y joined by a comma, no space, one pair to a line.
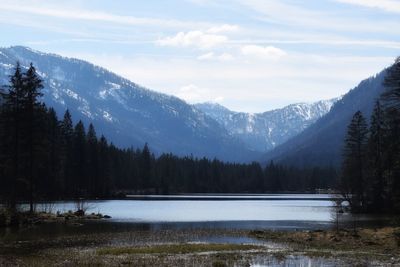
354,163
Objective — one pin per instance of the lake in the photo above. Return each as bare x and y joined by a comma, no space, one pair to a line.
154,213
204,208
269,211
152,220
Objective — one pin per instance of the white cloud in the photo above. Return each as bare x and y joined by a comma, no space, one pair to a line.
197,39
257,51
201,39
225,57
219,99
191,93
194,94
387,5
206,56
212,56
223,28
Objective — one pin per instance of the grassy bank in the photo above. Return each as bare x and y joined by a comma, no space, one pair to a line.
194,247
22,218
184,248
368,243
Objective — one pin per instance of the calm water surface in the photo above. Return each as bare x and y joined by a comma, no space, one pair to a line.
192,214
224,209
283,211
269,211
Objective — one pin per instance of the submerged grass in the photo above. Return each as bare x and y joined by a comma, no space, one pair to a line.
175,249
366,247
375,243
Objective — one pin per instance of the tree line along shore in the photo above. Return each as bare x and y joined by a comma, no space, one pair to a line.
44,158
47,158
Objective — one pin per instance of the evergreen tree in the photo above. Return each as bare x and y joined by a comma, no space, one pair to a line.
391,100
354,163
92,161
376,182
79,179
66,148
392,158
31,90
104,182
145,165
12,122
66,126
55,155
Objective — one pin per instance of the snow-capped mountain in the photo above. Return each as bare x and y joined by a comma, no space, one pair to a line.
126,113
263,131
321,144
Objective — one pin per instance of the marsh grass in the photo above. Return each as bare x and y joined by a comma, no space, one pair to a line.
381,242
176,249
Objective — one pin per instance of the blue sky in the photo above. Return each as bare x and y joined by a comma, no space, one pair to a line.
249,55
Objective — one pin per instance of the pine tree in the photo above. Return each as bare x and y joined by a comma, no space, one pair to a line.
376,182
55,154
12,124
67,133
92,160
31,87
3,154
391,100
354,163
104,182
392,159
66,125
145,167
79,179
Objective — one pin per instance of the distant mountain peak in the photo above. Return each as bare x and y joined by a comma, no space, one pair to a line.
263,131
321,143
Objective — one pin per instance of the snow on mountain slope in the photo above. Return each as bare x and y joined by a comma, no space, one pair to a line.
126,113
263,131
321,144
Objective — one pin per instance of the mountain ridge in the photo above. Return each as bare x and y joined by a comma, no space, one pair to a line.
128,114
265,130
321,144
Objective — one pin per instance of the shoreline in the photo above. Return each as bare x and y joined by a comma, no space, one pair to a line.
205,247
25,218
128,196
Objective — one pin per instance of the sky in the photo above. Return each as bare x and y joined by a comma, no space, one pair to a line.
248,55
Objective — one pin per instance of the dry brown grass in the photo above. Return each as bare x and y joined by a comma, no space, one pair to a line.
381,242
184,248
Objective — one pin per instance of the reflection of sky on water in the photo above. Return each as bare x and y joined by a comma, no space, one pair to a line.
209,210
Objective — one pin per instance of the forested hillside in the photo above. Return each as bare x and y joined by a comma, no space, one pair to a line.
370,175
127,113
321,144
44,157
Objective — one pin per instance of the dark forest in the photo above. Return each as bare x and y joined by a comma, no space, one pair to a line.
47,158
370,176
